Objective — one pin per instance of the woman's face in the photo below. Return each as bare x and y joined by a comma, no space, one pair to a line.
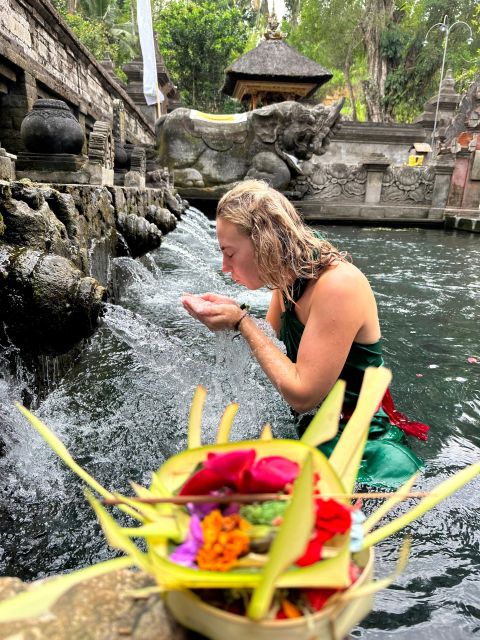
238,255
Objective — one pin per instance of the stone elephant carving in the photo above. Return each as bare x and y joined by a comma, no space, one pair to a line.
207,152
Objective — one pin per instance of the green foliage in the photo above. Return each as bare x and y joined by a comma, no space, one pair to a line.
414,75
198,39
329,31
392,43
104,27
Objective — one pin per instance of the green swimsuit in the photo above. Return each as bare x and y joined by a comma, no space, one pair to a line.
387,462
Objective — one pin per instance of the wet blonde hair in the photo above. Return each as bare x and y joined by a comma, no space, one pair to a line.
285,248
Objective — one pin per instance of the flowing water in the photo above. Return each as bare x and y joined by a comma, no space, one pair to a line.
122,409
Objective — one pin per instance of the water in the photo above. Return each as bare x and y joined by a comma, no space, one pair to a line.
122,410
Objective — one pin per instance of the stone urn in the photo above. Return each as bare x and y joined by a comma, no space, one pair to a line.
51,128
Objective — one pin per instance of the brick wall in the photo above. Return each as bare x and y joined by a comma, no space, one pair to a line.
46,60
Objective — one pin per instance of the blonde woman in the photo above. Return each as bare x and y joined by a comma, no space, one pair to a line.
322,308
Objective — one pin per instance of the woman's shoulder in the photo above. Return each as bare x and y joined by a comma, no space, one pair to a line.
342,278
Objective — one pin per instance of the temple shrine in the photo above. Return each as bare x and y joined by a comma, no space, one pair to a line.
273,72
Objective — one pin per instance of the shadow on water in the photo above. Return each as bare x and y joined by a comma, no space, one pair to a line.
123,407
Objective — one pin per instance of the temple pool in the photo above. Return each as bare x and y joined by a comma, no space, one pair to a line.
123,407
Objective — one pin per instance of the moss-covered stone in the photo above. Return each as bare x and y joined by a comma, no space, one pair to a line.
103,608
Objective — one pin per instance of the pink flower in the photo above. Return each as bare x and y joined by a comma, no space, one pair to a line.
270,474
238,471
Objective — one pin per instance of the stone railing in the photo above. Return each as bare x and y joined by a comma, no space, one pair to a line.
375,189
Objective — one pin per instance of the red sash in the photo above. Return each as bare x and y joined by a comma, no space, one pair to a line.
400,420
397,418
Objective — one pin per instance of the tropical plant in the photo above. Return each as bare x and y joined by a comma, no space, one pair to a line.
198,40
104,27
379,46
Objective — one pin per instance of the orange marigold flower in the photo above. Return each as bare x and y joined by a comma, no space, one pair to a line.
225,539
289,609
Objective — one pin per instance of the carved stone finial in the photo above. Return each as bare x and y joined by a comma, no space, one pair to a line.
107,63
138,160
273,32
100,148
138,165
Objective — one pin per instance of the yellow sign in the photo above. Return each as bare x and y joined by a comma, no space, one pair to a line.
415,161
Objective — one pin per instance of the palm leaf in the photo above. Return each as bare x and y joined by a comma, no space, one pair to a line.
62,452
439,493
327,574
388,505
266,432
115,536
195,418
164,528
290,541
347,455
324,425
226,423
378,585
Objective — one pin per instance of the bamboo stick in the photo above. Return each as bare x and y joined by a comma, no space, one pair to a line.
245,498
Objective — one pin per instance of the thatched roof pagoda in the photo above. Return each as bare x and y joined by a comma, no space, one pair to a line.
273,72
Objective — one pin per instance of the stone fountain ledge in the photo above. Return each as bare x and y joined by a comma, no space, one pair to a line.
56,246
102,608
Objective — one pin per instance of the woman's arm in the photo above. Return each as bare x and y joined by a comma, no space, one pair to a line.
339,304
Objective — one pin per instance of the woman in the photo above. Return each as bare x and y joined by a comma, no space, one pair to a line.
322,308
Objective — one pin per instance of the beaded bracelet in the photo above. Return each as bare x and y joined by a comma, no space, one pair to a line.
236,326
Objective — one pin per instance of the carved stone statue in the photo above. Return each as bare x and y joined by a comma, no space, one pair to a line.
100,154
212,152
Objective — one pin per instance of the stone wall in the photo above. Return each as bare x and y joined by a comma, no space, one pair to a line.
41,57
56,247
356,141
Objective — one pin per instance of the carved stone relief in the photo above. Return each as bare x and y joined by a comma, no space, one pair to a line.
413,184
333,181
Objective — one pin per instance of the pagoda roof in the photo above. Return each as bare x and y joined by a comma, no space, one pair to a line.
275,60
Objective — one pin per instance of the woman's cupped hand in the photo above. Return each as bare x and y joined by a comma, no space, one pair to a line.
215,311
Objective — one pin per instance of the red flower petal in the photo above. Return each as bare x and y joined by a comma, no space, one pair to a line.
354,572
231,466
220,470
333,517
270,474
312,554
316,598
202,483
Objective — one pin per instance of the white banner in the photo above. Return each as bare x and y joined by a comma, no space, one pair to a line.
145,32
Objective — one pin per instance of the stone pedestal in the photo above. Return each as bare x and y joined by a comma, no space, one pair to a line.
444,166
459,179
7,168
59,168
376,168
99,175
